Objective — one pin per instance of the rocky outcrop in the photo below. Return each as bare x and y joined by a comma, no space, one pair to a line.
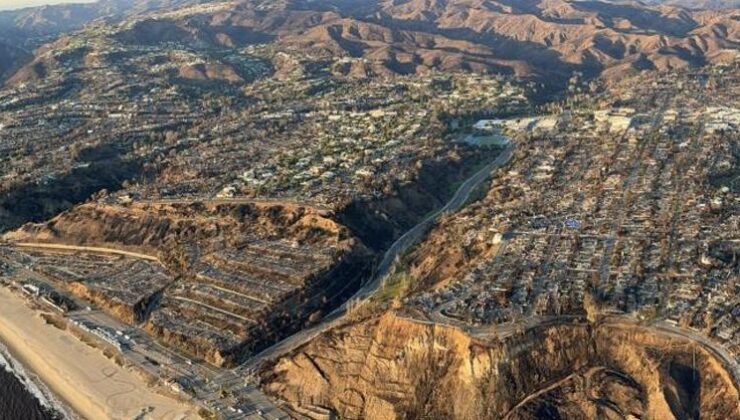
392,367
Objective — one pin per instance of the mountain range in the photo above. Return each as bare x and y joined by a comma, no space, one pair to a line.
546,39
23,30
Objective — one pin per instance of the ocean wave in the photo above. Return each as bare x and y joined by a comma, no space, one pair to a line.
33,385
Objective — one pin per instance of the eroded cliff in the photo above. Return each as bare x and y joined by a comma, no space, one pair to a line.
392,367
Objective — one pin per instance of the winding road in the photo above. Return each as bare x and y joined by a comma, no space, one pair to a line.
362,296
234,379
409,238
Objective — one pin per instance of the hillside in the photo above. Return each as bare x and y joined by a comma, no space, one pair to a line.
696,4
23,30
545,39
393,367
11,57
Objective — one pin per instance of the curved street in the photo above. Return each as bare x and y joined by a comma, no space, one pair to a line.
411,237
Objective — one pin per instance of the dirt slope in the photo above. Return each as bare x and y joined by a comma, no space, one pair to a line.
396,368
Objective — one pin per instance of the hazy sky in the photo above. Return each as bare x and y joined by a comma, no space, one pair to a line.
17,4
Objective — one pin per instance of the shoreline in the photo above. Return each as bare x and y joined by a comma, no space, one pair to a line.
33,385
79,381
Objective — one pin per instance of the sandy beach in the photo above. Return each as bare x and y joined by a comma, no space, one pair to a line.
92,385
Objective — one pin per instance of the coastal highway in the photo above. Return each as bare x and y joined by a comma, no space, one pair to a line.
411,237
254,403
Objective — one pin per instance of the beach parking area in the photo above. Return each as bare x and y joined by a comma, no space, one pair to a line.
82,377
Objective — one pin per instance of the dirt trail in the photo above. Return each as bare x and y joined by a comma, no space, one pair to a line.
99,250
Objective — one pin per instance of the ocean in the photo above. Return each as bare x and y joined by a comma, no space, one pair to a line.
20,398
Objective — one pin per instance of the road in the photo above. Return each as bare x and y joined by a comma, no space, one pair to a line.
362,296
257,405
411,237
718,351
336,318
662,327
501,331
455,203
91,249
